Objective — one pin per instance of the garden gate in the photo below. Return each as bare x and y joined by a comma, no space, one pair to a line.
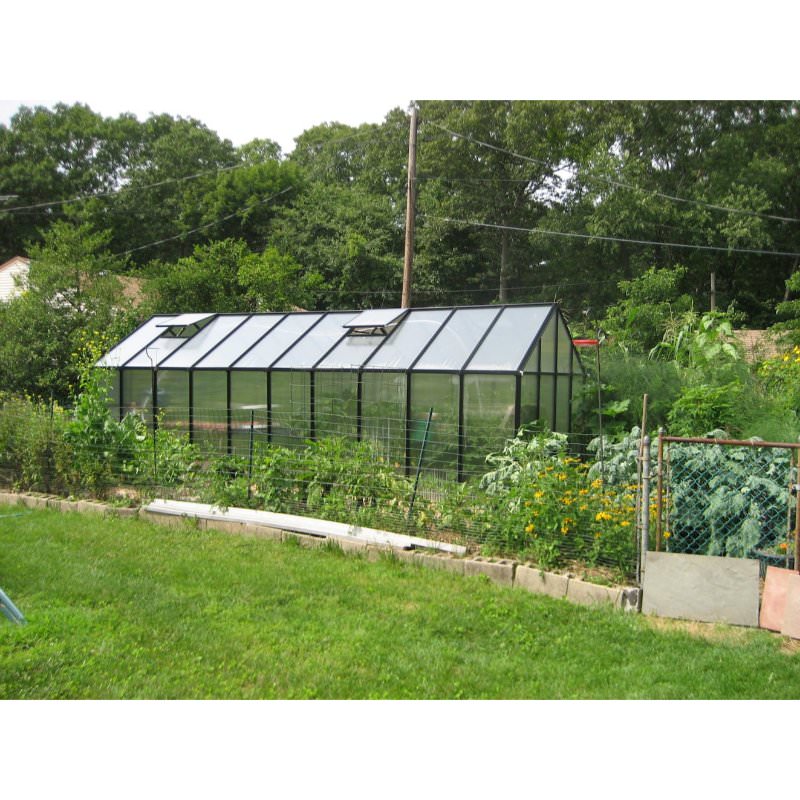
727,497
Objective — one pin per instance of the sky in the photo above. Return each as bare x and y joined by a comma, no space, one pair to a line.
264,70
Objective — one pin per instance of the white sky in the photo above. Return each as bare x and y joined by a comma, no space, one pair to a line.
249,69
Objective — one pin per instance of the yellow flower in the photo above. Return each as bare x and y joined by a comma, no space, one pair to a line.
597,483
538,494
625,523
583,492
667,534
529,528
602,515
562,476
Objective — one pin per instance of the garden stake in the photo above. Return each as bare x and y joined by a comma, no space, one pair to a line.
250,462
419,464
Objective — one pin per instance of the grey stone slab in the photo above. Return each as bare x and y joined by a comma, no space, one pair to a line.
263,532
701,588
538,581
589,594
500,572
440,562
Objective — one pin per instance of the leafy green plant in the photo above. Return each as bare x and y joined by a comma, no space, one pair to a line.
702,408
726,501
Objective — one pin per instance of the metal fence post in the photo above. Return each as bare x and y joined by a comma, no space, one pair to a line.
645,508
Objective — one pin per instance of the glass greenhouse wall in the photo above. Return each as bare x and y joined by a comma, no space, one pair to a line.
477,372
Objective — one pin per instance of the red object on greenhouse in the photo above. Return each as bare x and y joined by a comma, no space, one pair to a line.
585,342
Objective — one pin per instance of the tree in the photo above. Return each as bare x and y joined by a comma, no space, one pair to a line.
71,296
225,276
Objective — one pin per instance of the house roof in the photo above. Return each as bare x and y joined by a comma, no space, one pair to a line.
452,339
16,261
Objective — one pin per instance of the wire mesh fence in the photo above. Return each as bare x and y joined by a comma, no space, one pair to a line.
723,497
541,497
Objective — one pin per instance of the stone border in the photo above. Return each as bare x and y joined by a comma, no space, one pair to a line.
503,572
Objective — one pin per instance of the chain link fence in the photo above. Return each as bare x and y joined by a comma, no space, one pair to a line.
722,497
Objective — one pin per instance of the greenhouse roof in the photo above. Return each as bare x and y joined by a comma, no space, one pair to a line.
498,338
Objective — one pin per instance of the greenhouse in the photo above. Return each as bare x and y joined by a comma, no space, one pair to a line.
458,380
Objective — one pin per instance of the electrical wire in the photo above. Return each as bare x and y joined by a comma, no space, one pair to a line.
610,181
573,235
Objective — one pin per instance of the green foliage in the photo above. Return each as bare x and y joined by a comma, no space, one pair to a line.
703,408
700,341
648,306
547,507
337,479
225,276
71,290
726,501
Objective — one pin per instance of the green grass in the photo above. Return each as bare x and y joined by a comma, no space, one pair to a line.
127,609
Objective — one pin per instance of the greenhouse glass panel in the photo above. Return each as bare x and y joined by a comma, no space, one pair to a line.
291,407
316,343
351,352
335,404
383,413
529,401
173,399
547,345
509,339
203,341
440,392
248,409
565,348
532,364
457,339
562,403
407,340
155,352
129,347
277,341
210,410
547,399
137,393
489,409
236,345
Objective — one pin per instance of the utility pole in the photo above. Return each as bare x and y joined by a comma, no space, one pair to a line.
408,260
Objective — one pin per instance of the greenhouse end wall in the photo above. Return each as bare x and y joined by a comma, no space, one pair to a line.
458,382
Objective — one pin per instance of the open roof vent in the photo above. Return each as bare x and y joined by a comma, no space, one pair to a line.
185,326
375,322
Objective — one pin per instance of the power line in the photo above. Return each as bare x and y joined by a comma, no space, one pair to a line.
184,234
572,235
611,182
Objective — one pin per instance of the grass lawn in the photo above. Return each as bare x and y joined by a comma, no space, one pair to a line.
126,609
